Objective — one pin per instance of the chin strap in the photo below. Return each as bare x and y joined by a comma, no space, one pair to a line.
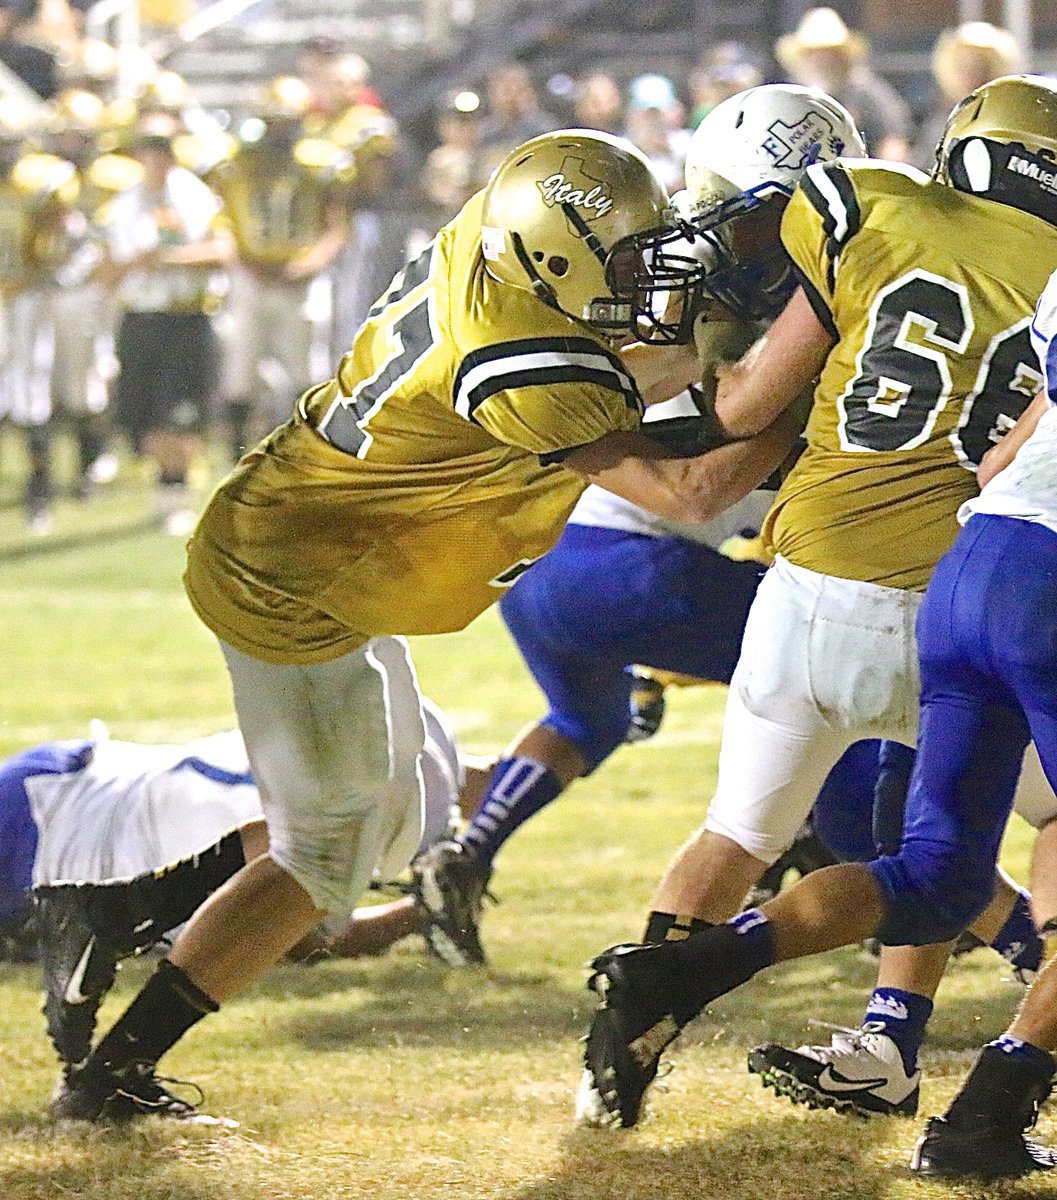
584,230
539,285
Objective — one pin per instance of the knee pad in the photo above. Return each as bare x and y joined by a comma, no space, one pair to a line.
595,735
932,894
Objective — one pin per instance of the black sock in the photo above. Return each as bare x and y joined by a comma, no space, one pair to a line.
134,914
166,1008
1005,1086
670,927
38,450
717,960
91,441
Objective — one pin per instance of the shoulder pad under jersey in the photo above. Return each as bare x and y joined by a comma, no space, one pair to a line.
114,173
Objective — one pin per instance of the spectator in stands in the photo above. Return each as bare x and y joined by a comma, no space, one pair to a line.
599,104
514,116
450,176
338,79
164,250
723,71
963,59
654,124
823,52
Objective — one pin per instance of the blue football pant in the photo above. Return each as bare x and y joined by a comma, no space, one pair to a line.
987,637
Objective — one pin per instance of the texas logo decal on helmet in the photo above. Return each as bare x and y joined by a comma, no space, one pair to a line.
799,145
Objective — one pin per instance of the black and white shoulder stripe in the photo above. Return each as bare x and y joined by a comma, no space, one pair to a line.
831,194
539,362
406,280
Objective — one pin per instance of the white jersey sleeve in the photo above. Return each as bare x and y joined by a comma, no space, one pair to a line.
1027,488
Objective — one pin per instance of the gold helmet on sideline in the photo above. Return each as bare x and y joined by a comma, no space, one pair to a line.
1000,142
285,96
560,217
76,110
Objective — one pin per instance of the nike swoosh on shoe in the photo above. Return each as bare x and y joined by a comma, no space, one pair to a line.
832,1082
73,993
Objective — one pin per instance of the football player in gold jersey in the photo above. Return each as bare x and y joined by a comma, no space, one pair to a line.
913,312
480,396
38,194
283,199
81,310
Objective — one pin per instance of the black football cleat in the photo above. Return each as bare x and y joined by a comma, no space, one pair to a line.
449,889
84,1094
981,1150
631,1029
983,1134
79,968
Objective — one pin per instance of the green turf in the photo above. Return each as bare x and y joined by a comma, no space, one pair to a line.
391,1079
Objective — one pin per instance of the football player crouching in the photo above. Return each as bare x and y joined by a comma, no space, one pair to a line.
109,847
480,396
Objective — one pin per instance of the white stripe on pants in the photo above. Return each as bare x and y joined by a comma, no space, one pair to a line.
334,749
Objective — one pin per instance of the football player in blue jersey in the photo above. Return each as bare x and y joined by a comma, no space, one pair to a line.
108,846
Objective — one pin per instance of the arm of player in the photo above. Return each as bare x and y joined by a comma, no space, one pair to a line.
661,372
317,257
1000,456
693,490
774,372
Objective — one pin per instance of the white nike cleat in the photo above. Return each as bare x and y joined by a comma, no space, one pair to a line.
861,1071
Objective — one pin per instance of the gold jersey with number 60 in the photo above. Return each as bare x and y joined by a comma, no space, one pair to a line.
928,292
415,485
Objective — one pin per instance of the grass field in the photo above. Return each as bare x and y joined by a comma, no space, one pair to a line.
391,1079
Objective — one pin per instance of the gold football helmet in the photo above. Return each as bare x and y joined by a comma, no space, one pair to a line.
76,110
1000,142
561,218
286,96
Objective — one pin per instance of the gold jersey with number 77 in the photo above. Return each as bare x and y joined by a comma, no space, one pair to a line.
409,490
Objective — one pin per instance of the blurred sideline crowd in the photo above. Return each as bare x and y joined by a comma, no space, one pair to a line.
168,273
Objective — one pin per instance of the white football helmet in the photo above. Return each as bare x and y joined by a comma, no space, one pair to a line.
742,165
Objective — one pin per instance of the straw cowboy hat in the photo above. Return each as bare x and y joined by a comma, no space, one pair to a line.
820,29
998,46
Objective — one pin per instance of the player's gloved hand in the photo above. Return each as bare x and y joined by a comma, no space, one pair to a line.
646,707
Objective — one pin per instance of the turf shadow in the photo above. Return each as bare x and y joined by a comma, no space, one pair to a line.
422,1003
50,546
777,1157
